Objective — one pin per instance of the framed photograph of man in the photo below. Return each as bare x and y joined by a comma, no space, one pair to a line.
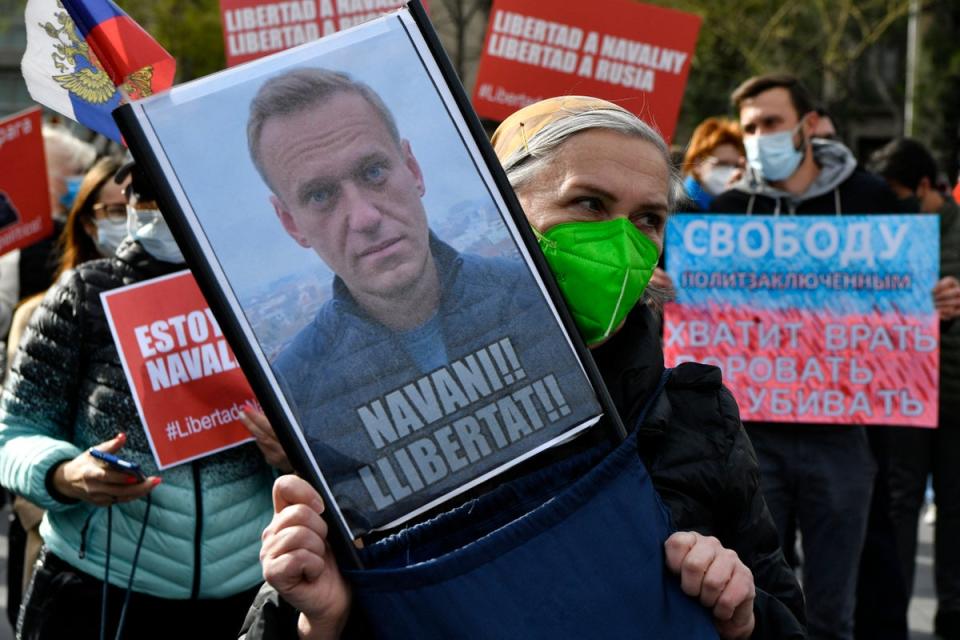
342,216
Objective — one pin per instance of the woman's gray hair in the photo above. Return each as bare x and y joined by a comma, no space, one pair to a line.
540,149
62,146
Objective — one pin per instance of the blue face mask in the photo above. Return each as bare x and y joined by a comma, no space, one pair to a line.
774,155
148,227
110,233
73,186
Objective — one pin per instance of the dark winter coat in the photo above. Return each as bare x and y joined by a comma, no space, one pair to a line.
701,463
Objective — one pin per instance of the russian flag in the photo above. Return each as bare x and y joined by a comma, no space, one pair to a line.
86,57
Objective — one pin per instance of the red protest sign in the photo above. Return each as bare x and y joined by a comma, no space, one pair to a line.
633,54
186,383
255,28
24,197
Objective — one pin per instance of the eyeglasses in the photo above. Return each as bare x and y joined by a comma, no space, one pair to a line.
113,211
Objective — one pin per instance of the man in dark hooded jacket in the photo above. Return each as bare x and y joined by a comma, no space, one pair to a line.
819,476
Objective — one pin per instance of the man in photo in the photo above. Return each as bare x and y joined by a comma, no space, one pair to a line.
345,184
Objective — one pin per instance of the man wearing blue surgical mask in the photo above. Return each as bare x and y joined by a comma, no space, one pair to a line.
789,169
820,477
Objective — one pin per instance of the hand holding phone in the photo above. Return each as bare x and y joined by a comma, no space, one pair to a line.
100,477
118,463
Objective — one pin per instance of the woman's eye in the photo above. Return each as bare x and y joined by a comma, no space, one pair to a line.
647,220
590,204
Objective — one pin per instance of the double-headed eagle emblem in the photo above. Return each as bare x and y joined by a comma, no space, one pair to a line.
82,73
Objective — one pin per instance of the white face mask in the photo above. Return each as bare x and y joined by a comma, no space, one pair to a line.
774,155
148,227
715,180
110,233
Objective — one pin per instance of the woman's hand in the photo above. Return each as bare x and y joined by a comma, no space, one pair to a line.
298,563
90,480
716,577
261,430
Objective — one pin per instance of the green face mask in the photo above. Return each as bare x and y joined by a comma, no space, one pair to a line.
602,269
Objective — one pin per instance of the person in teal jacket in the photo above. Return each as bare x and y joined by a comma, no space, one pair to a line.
190,536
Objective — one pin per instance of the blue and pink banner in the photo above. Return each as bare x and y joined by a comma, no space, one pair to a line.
813,319
84,58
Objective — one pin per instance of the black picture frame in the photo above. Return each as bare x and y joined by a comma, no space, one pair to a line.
152,156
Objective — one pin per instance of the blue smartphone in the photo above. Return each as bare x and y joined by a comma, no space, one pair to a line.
119,464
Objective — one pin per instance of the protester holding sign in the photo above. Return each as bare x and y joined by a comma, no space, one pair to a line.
820,476
585,168
179,553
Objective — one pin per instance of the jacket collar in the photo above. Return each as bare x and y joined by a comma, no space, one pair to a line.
836,163
631,364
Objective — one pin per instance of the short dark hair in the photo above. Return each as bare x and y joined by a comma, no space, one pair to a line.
752,87
300,89
905,161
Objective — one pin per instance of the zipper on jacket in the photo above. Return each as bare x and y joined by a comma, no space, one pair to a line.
82,553
198,529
